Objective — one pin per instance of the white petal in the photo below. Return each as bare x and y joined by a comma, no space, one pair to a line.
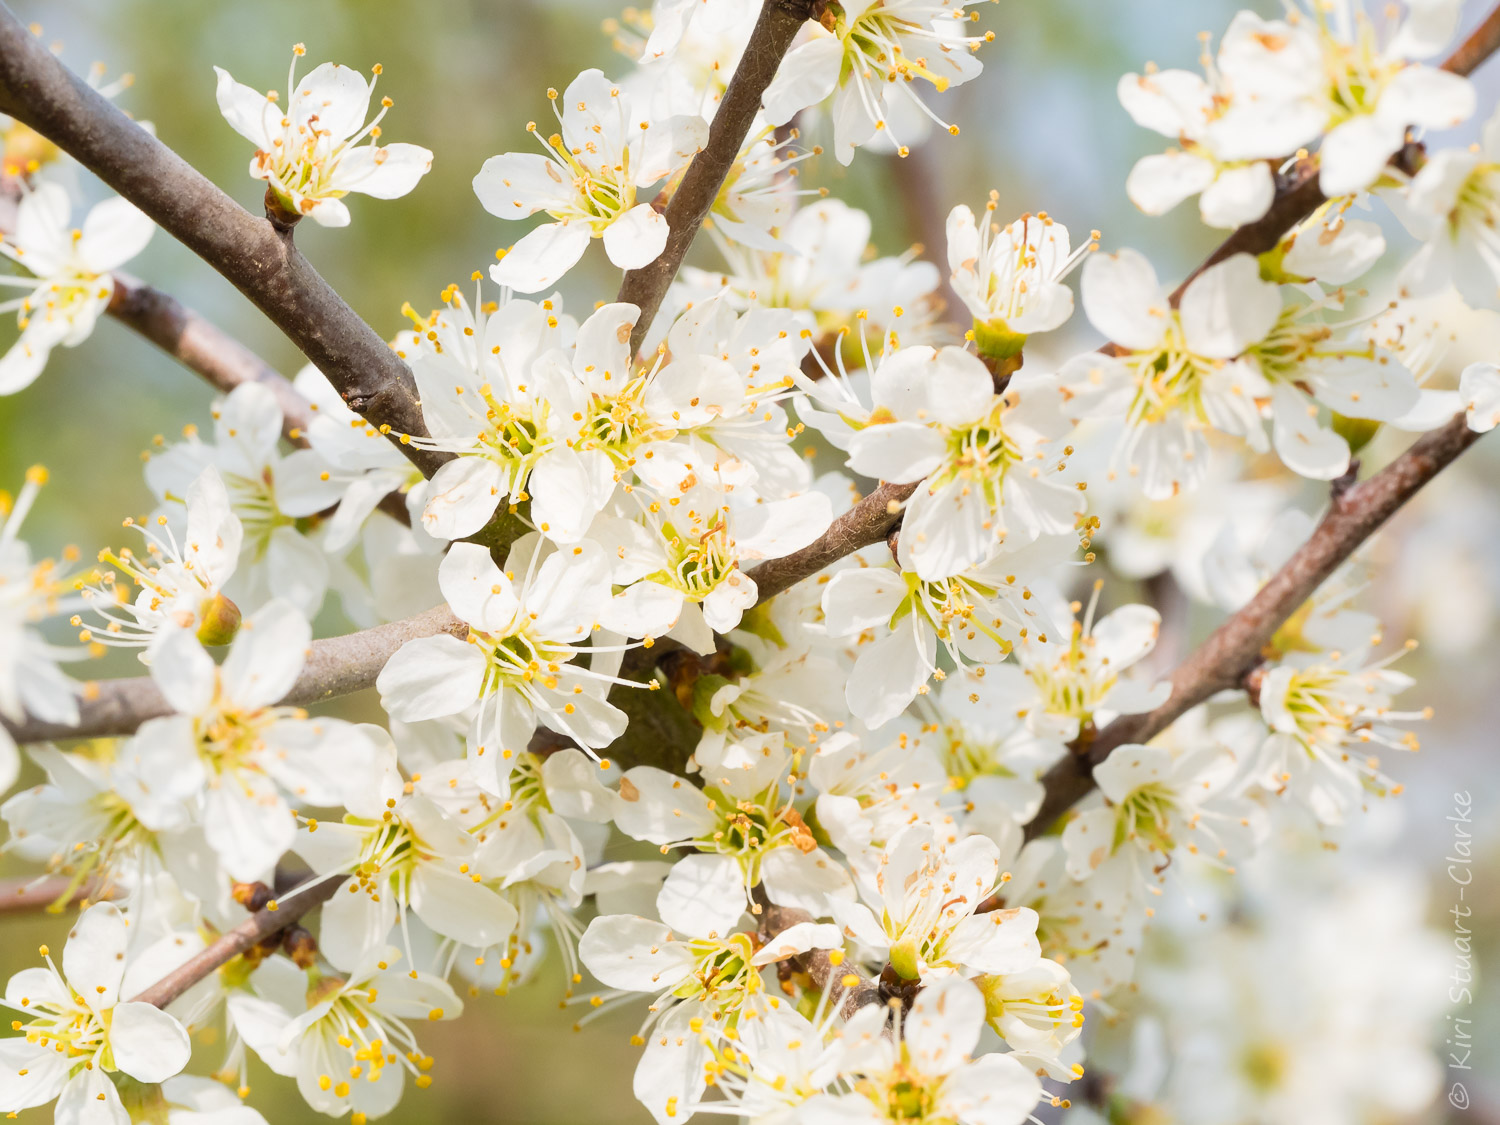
517,184
703,896
185,673
476,589
855,600
1123,299
1427,96
248,825
1354,153
1479,387
267,656
462,496
992,1090
46,1072
1170,102
113,232
337,95
148,1044
94,956
454,906
1339,258
90,1098
890,672
660,808
1229,307
645,609
541,258
799,939
1304,444
632,953
248,111
671,1071
943,1027
383,171
806,76
1161,181
805,880
601,355
1124,636
1238,196
431,677
636,237
568,489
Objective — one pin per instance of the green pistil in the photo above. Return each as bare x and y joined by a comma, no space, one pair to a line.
1146,814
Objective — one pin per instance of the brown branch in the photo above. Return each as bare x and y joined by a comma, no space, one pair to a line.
869,521
41,892
817,963
1297,191
269,920
223,362
1222,661
204,348
1297,197
248,250
335,666
1483,42
772,36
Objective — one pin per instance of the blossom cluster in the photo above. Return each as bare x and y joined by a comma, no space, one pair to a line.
845,901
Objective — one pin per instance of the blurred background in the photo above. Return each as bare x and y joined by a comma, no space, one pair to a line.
1041,125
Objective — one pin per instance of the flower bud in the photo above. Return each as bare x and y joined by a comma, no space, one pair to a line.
221,621
905,959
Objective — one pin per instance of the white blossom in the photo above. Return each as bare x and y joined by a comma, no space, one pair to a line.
586,179
308,151
70,282
77,1031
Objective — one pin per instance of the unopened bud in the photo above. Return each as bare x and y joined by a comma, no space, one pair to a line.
299,944
221,621
252,896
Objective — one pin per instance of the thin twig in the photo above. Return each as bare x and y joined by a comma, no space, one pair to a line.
221,360
1483,42
1297,191
1297,197
269,920
335,666
1236,646
869,521
204,348
261,262
772,36
858,990
40,892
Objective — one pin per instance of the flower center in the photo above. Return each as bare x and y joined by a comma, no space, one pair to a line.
1296,341
1145,814
71,1028
980,455
722,973
697,564
1169,378
620,424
